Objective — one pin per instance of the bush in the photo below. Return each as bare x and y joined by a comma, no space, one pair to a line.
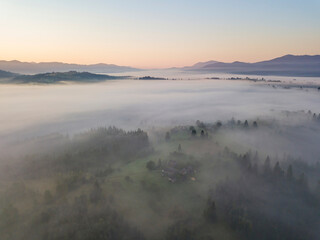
151,165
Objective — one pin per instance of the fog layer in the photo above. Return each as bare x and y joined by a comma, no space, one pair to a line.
133,103
188,159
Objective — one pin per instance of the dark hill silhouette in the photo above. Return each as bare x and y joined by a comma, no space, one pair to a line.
288,65
56,77
5,74
35,68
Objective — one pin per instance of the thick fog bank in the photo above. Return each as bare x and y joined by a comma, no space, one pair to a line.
34,110
212,160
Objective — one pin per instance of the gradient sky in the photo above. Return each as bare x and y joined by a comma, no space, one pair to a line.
157,33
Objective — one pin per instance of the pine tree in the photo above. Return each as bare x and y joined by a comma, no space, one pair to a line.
290,173
167,136
267,166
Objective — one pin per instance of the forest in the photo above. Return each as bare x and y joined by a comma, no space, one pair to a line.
238,179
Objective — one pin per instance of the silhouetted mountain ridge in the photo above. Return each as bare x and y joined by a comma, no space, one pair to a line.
288,65
35,68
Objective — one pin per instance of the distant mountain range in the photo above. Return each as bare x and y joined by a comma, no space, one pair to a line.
58,77
42,67
288,65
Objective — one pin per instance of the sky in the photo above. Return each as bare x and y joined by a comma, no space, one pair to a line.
157,33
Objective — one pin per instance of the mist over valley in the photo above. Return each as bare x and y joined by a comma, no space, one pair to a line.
203,155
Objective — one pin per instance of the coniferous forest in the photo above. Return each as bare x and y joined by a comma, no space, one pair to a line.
204,181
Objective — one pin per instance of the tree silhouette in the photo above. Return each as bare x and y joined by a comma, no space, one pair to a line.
267,166
290,173
151,165
193,132
168,137
202,133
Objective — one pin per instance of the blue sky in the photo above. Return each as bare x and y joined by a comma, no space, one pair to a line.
157,33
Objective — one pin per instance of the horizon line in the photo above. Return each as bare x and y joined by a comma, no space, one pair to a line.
152,68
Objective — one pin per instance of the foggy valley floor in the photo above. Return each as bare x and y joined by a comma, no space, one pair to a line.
186,160
160,120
